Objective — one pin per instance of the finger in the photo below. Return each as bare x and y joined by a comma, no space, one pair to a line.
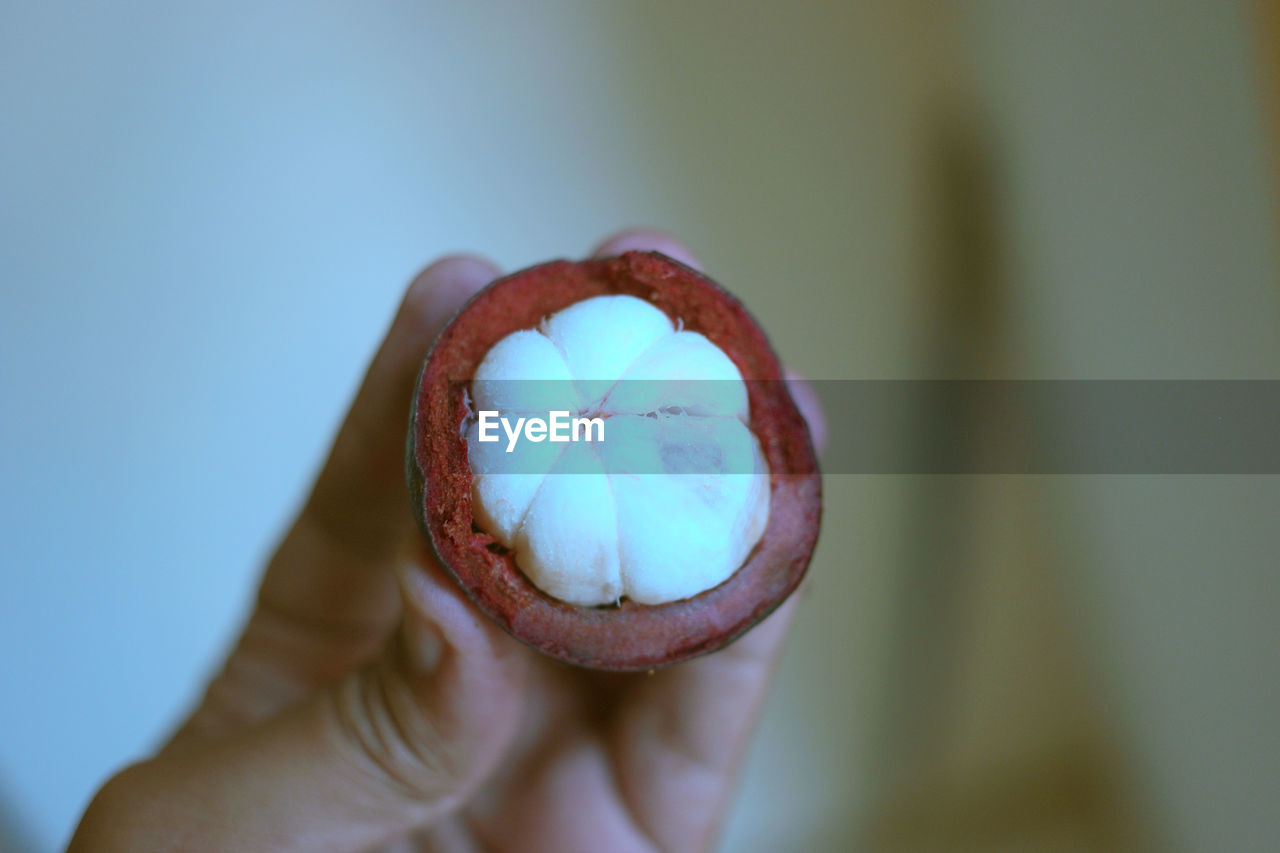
810,406
656,776
357,514
646,240
392,747
680,738
329,597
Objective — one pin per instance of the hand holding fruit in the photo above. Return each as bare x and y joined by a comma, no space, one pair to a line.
369,702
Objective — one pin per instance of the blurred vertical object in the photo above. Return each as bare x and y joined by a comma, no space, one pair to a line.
994,734
1268,53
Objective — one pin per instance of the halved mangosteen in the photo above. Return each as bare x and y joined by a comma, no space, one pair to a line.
605,456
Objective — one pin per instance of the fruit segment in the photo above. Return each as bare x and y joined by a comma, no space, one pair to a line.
524,373
568,543
684,371
601,337
687,529
501,497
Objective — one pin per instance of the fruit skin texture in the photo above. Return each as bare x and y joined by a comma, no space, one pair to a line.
628,637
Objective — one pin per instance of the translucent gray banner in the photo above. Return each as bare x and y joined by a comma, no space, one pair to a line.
1052,426
896,426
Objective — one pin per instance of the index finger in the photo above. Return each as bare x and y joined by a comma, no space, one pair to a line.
329,597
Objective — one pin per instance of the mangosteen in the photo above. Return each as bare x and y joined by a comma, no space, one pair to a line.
605,456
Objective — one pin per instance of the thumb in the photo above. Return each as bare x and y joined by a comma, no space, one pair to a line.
391,747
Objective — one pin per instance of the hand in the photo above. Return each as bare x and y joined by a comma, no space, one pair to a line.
368,703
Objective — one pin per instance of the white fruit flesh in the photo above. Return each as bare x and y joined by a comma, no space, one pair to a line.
593,522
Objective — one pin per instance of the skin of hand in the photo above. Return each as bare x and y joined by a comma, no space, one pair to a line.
369,705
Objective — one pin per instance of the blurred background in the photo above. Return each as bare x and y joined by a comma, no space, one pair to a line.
210,211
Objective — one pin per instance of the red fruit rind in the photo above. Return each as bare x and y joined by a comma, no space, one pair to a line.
629,636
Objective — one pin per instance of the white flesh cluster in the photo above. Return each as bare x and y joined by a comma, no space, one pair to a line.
635,526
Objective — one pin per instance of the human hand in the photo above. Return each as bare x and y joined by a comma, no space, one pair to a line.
368,702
